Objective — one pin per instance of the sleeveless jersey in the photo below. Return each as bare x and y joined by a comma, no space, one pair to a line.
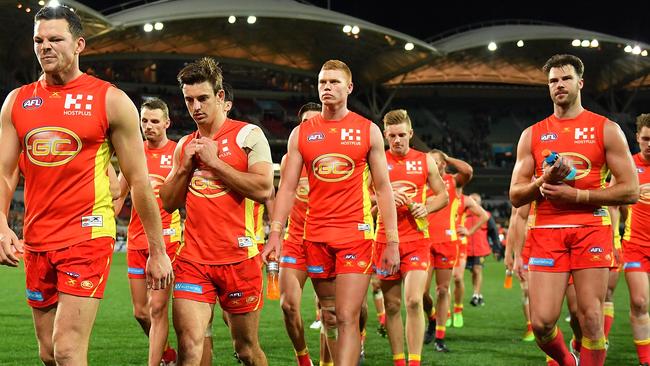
409,174
581,141
296,225
222,226
638,214
478,242
335,155
442,223
159,164
63,131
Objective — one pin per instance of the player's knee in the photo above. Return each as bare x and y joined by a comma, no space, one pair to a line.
46,354
638,305
392,306
190,348
442,290
347,317
158,310
542,328
413,303
245,351
328,316
65,353
141,314
289,306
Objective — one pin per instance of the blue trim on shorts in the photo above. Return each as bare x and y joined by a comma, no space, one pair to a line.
628,265
188,287
34,295
542,262
315,269
135,270
288,259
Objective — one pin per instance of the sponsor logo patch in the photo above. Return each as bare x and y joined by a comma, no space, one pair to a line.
135,271
542,262
316,136
92,221
288,259
188,287
32,103
34,295
595,250
363,227
628,265
315,269
236,295
549,136
87,284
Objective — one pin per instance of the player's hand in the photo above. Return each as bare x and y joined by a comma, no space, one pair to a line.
518,267
272,248
559,192
187,160
207,150
617,255
462,231
400,198
10,248
418,210
390,259
160,274
558,171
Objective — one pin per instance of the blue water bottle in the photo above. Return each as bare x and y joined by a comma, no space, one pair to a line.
550,157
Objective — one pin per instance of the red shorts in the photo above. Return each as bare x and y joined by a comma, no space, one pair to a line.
80,269
636,258
525,254
326,260
136,260
444,255
293,256
414,256
568,248
238,286
462,253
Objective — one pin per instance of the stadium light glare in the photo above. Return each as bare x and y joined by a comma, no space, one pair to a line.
347,28
53,4
158,26
356,30
409,46
148,27
594,43
27,10
251,19
520,43
41,3
492,46
575,43
644,53
232,19
628,48
636,50
585,43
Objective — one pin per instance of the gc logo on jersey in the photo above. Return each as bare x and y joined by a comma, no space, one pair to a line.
51,146
644,193
206,186
408,188
333,167
580,162
302,192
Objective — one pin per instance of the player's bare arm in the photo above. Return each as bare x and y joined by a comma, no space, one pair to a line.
624,190
284,198
125,137
10,144
385,200
124,189
174,191
522,190
440,199
464,171
256,184
517,236
478,211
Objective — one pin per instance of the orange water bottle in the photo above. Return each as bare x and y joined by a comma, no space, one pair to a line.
507,283
272,283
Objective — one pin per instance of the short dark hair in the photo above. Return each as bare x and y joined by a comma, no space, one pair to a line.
228,92
156,103
205,69
563,60
308,107
62,12
643,120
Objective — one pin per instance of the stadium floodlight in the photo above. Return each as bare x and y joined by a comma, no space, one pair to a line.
158,26
347,28
575,43
520,43
41,2
27,10
636,50
409,46
251,19
53,4
644,53
594,43
585,43
148,27
232,19
355,29
628,48
492,46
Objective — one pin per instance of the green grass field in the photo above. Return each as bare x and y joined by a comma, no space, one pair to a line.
491,334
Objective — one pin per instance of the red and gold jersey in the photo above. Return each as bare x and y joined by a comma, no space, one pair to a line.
580,140
222,226
335,154
296,225
638,214
63,131
159,164
409,174
442,223
478,242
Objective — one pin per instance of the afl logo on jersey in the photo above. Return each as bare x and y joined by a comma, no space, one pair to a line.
51,146
206,186
333,167
32,103
549,136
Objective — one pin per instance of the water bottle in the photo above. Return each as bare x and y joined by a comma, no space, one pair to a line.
272,283
422,223
550,157
507,283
